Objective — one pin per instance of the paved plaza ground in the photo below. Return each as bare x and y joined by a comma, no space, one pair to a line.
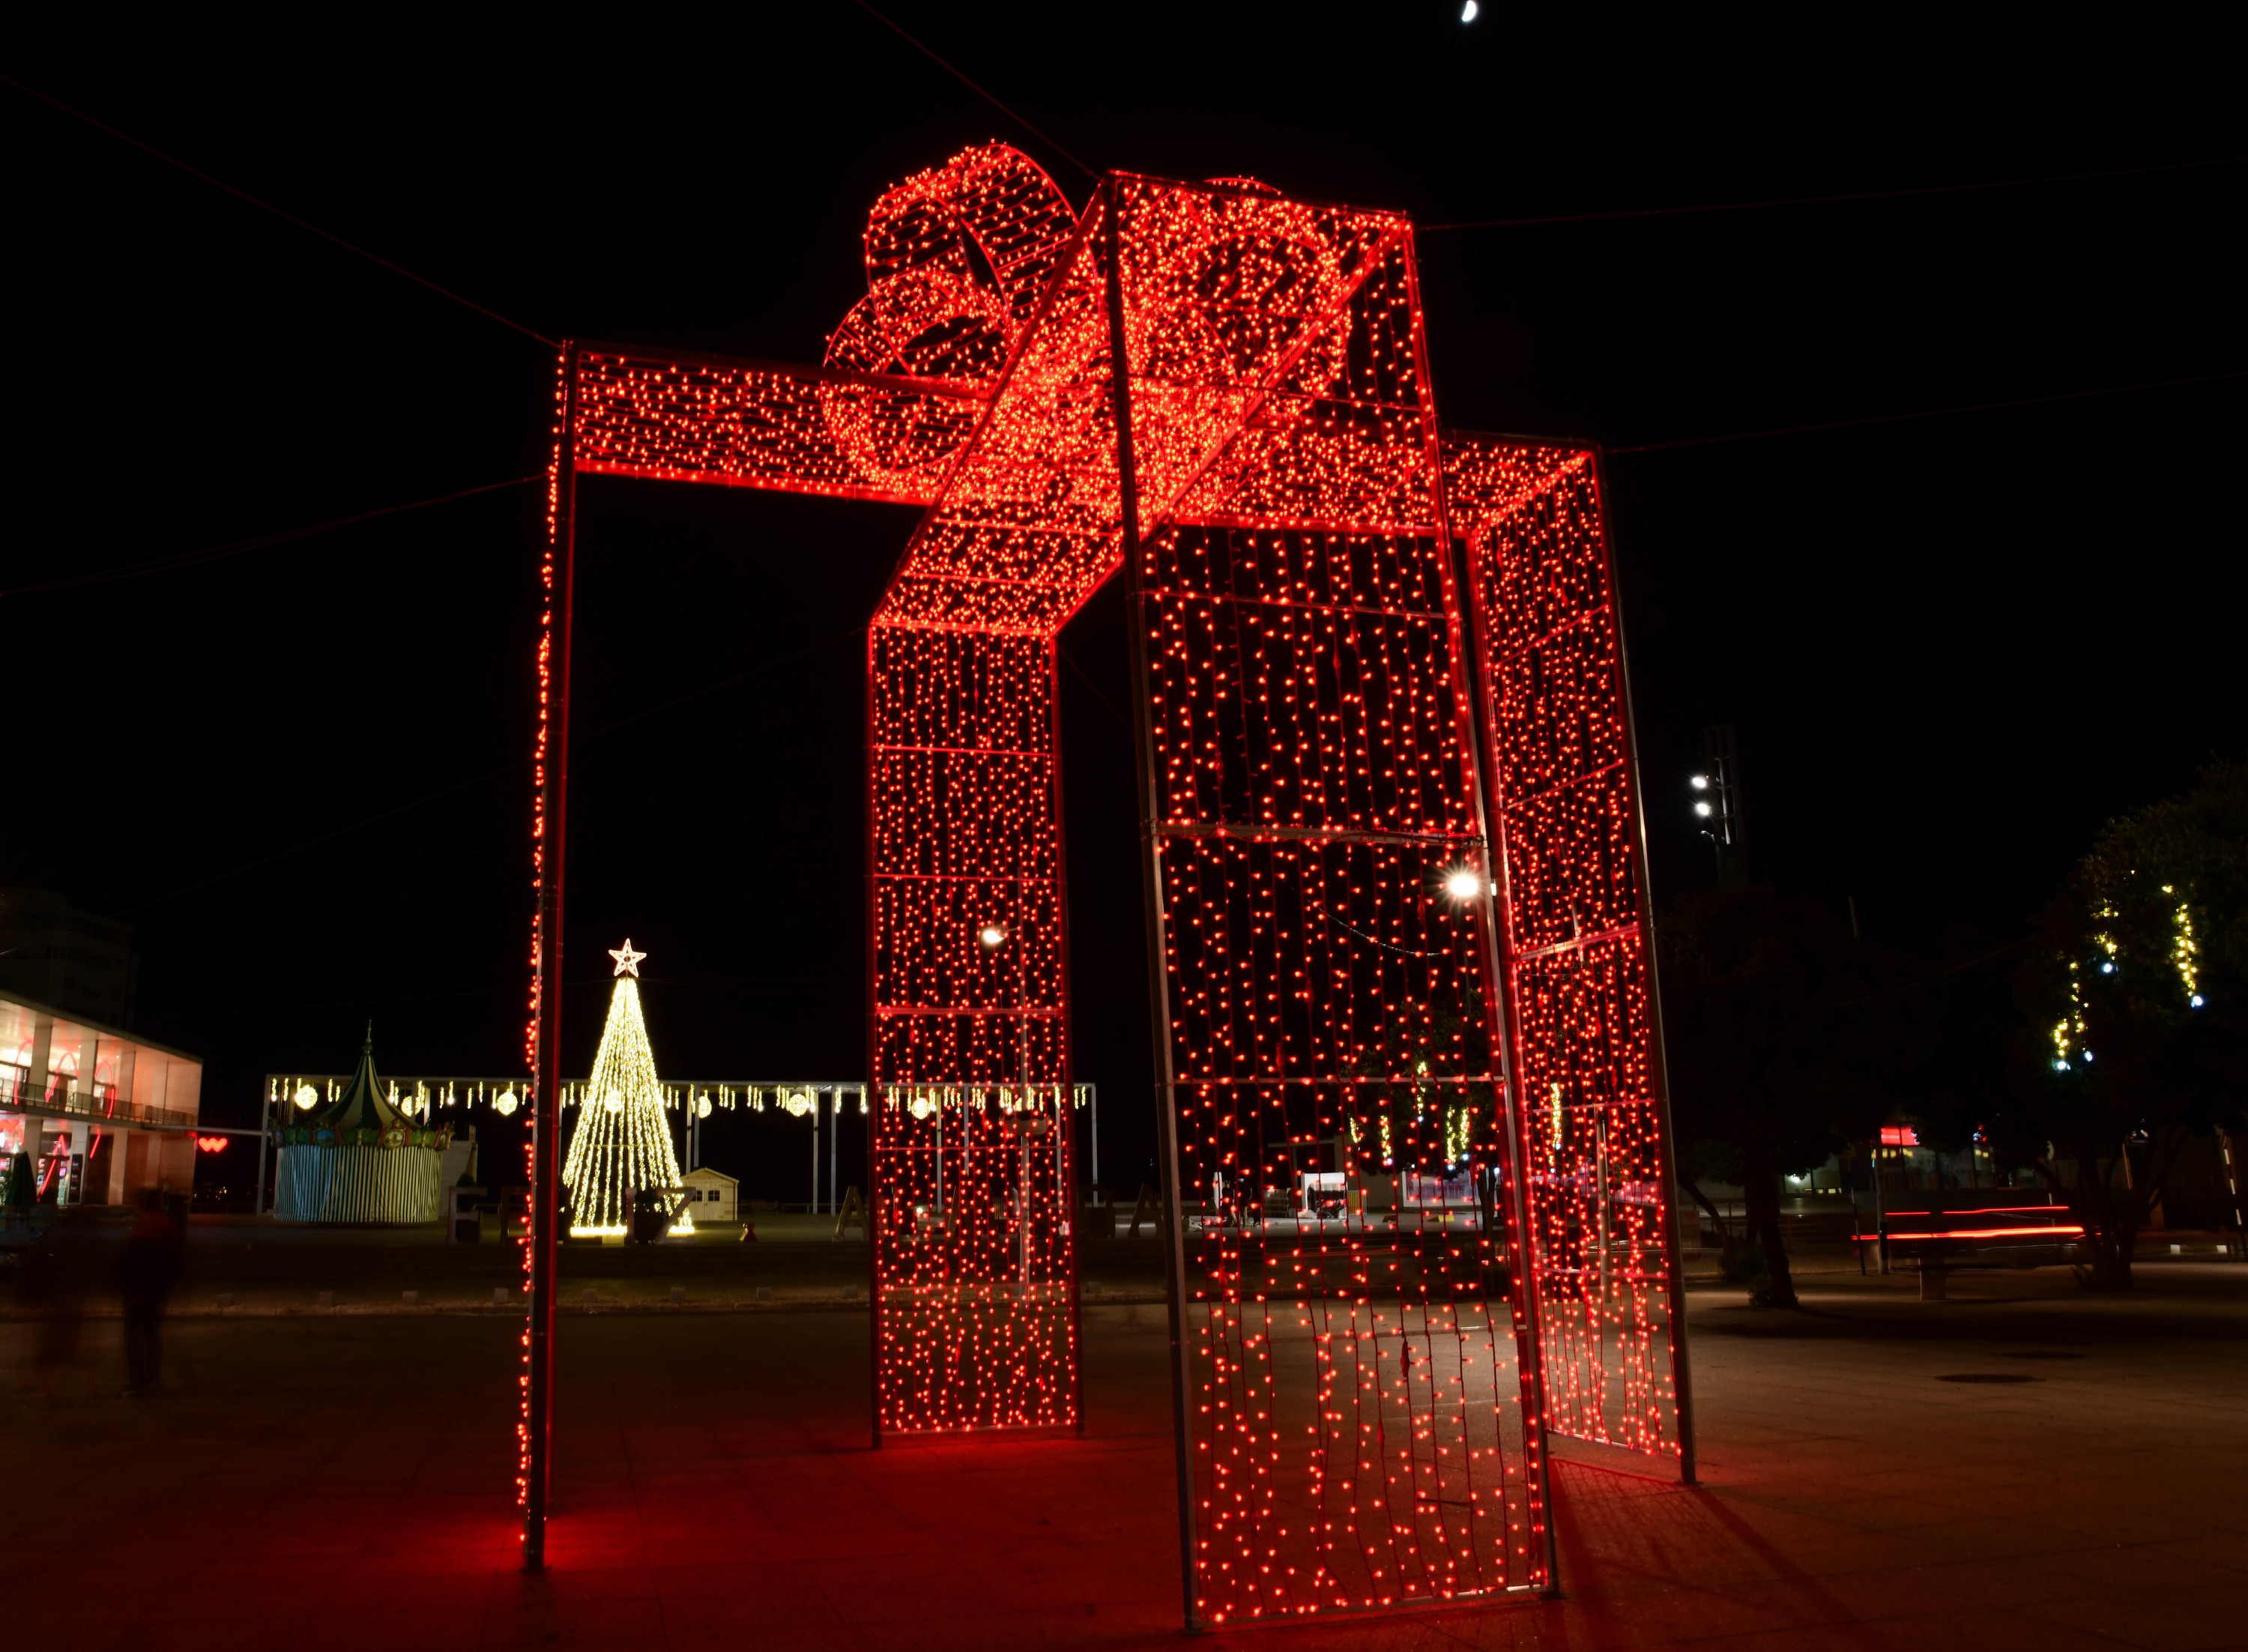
338,1477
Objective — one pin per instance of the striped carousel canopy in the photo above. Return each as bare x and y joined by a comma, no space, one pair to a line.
360,1106
360,1158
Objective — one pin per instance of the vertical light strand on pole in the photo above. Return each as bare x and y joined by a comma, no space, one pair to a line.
551,768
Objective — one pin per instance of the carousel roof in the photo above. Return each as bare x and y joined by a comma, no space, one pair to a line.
361,1106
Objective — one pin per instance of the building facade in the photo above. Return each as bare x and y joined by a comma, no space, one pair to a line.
102,1113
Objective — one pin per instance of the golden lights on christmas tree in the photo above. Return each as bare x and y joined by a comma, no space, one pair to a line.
623,1144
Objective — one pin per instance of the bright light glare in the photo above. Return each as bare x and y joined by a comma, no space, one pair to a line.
1468,11
2195,1000
2060,1066
1700,783
307,1097
1463,884
993,935
1702,809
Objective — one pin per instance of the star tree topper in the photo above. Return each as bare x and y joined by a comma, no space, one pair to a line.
627,960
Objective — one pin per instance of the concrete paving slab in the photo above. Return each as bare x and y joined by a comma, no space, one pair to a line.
336,1480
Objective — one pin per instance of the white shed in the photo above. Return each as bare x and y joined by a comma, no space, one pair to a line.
712,1196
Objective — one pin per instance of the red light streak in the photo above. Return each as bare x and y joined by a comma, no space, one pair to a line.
2050,1232
1994,1209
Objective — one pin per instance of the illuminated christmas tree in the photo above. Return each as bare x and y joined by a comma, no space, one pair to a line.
623,1142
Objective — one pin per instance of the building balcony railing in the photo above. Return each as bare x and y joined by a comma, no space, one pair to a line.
16,1095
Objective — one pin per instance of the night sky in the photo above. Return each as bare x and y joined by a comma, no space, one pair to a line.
1952,646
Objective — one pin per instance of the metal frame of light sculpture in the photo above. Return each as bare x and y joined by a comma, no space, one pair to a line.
1347,1439
1315,657
1576,938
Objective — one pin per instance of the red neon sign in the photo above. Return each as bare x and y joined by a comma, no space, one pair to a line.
1899,1135
211,1144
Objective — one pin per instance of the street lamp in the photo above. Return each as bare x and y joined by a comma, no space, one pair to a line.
1463,883
1717,802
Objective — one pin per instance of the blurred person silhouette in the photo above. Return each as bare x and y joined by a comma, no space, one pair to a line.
57,1271
153,1259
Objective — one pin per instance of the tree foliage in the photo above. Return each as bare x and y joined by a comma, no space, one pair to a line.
1773,1044
2134,994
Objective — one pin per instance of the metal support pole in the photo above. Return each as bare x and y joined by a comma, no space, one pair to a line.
1166,1120
877,1195
1674,1264
1065,1118
1881,1216
1526,1308
265,1136
546,1112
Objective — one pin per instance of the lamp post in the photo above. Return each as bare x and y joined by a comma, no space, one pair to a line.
1718,804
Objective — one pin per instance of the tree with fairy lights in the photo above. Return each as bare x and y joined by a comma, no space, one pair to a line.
1408,1110
623,1143
2136,1042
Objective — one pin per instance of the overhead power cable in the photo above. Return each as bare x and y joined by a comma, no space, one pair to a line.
516,766
767,983
1930,413
1928,980
191,559
221,183
1828,200
979,90
326,837
1123,721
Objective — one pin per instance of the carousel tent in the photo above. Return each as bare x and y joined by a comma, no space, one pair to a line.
360,1158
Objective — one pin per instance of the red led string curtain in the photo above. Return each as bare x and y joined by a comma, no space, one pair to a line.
1358,1431
950,384
975,1294
1361,1415
1593,1119
975,1304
